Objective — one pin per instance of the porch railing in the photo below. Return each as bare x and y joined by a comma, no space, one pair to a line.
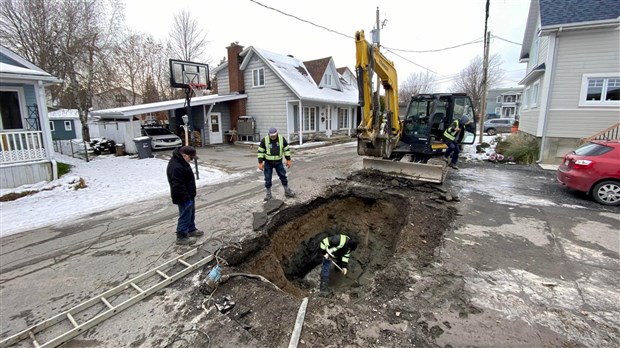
16,147
611,133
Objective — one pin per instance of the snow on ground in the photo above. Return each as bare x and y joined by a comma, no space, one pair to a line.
110,182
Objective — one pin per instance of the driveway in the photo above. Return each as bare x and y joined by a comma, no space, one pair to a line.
540,265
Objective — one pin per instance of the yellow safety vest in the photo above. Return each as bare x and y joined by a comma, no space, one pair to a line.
266,152
451,135
325,245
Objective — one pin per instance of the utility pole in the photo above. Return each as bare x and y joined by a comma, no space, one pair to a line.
485,68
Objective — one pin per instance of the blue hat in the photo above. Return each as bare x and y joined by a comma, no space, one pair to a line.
464,120
273,131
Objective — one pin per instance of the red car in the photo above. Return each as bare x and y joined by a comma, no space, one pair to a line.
594,168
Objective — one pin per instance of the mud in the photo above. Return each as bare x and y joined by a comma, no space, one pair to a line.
395,279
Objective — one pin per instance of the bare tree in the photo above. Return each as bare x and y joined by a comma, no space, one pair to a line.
416,83
470,79
187,41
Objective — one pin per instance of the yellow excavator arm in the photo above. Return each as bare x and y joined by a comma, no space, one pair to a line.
377,135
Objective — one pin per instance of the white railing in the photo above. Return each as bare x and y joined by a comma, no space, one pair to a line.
18,147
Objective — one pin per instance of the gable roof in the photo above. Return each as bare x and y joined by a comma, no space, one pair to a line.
294,74
317,68
14,67
568,14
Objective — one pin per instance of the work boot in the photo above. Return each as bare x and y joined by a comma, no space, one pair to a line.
267,194
196,233
324,288
446,159
186,240
288,192
453,166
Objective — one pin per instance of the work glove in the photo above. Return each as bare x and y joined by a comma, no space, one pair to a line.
261,166
288,163
344,271
326,256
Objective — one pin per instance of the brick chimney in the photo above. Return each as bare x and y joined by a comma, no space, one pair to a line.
235,81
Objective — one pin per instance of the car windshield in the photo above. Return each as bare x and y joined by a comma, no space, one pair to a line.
592,149
157,131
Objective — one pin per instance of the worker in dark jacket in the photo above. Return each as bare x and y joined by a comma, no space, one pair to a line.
270,152
183,192
450,138
336,249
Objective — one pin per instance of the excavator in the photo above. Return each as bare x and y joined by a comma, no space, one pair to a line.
385,140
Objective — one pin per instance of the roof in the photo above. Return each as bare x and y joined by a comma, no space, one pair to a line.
129,111
554,12
18,68
63,114
317,68
294,74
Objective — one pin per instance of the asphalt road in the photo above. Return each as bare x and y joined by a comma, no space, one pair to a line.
535,257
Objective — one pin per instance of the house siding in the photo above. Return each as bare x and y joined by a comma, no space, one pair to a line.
223,83
268,105
578,54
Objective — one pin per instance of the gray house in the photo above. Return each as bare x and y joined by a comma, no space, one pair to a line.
572,82
504,102
65,124
304,100
26,148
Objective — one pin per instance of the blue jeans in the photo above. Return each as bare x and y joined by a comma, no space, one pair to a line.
452,151
325,270
268,171
187,214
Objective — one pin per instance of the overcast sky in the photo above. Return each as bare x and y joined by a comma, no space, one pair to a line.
409,25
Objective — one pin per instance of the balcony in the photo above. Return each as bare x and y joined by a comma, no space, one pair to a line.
19,147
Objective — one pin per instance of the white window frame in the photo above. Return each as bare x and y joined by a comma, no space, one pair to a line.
68,126
52,126
257,74
584,90
526,97
309,117
343,118
21,96
499,98
328,79
498,110
534,95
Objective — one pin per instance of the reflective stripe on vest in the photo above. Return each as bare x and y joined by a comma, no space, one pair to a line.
268,156
451,135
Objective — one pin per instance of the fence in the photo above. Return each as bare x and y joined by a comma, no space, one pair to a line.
76,148
16,147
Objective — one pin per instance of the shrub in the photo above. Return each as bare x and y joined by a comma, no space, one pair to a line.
63,169
522,149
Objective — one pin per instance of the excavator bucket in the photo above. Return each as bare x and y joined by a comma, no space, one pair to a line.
434,171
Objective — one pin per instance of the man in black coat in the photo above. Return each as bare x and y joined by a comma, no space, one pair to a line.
183,192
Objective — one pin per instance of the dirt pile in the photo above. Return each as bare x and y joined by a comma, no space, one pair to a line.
395,279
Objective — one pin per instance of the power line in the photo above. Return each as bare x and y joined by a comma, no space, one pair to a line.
512,42
438,49
398,55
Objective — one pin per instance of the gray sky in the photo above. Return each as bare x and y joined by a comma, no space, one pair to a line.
409,26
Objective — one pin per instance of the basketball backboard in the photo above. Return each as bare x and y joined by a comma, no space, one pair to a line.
183,73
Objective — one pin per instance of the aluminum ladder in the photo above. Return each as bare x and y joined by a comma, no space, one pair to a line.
109,309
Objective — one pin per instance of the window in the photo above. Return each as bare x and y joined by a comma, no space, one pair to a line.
258,77
12,108
52,126
68,126
343,118
328,80
534,96
499,98
309,119
600,90
526,93
497,110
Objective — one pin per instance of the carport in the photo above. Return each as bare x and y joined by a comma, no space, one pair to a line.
210,116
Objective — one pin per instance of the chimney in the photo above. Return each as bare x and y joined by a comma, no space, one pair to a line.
234,75
235,80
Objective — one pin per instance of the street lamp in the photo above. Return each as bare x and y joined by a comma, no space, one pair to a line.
185,126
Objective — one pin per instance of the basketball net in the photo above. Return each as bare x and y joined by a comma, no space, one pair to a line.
199,89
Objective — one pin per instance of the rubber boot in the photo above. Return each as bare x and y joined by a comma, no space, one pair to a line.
288,192
267,194
324,287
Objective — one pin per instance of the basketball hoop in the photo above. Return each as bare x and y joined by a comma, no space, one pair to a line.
199,89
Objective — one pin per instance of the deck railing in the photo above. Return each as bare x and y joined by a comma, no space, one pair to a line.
16,147
611,133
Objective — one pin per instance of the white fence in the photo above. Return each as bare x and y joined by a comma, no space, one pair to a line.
16,147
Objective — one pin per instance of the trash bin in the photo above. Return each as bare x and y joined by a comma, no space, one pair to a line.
120,149
143,144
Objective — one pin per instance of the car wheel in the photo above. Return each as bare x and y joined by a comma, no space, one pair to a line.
607,192
491,131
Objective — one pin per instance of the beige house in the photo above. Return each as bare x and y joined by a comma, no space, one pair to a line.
572,85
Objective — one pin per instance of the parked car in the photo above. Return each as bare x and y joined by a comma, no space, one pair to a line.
498,125
161,137
594,168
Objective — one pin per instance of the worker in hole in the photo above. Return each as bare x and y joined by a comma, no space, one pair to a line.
336,249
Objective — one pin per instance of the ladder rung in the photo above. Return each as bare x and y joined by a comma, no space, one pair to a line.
137,288
34,340
106,302
72,320
184,263
162,274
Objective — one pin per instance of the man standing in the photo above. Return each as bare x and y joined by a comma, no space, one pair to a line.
450,138
270,152
336,249
183,192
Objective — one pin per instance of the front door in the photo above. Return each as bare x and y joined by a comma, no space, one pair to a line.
215,128
328,122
